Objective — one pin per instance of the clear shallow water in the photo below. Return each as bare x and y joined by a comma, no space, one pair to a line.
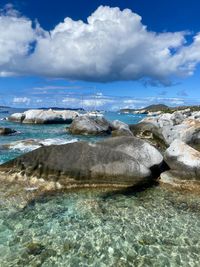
95,228
50,132
91,227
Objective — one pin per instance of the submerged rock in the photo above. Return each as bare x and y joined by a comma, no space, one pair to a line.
85,125
6,131
123,161
35,248
39,116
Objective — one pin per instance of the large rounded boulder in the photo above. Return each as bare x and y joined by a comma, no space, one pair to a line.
39,116
117,161
183,160
85,125
138,149
120,128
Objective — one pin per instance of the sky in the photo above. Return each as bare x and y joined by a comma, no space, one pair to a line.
99,54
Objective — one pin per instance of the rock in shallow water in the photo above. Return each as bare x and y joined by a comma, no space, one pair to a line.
85,125
117,161
35,248
39,116
6,131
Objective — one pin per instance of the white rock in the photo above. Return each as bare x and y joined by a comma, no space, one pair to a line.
17,117
39,116
183,159
176,126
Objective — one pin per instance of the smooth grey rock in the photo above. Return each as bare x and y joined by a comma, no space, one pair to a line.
116,125
85,125
112,162
120,129
122,132
140,150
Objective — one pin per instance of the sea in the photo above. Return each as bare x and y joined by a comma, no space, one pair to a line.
93,227
45,134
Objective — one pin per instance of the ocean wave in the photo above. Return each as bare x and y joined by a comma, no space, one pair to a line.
32,144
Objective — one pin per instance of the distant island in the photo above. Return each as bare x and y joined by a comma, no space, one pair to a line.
158,109
58,108
4,107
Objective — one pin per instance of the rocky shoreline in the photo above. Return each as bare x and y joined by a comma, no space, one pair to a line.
162,148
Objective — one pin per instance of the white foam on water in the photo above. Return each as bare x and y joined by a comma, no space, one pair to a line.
57,141
32,144
24,147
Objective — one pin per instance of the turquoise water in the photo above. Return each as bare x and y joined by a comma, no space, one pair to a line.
155,227
56,133
96,228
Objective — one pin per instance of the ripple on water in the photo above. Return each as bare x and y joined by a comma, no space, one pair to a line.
95,228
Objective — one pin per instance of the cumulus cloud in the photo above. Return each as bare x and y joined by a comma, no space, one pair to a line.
112,45
16,35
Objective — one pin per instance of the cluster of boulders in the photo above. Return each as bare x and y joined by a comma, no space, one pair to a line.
164,146
41,116
85,125
177,135
183,125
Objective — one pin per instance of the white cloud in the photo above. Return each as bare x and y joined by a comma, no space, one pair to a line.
113,45
21,100
39,101
89,102
71,100
16,35
56,87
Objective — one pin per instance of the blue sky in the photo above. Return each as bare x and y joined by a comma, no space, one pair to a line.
121,58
